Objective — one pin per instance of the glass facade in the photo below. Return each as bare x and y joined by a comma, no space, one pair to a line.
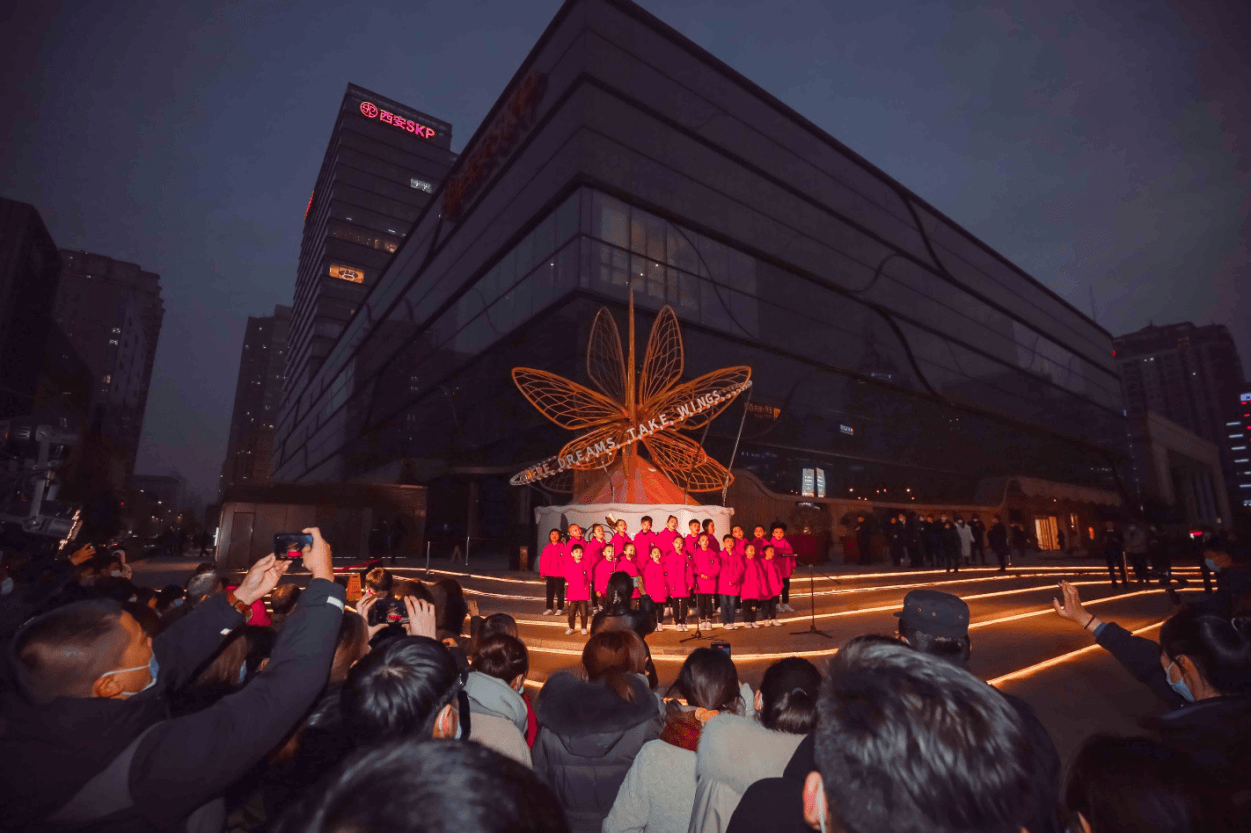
908,383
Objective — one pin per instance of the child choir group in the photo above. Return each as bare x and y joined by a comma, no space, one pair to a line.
671,571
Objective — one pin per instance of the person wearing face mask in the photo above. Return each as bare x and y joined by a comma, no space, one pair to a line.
89,743
1201,668
496,687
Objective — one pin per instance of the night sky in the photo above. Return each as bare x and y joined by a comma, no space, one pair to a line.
1099,145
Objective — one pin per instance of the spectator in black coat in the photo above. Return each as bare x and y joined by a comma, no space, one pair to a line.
89,743
997,538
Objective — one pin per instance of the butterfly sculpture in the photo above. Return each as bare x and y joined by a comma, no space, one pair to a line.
627,405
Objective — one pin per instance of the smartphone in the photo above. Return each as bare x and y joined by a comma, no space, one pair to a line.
291,544
723,647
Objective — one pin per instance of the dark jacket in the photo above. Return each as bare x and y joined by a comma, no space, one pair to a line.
588,737
997,537
950,537
1141,658
1215,734
979,530
177,768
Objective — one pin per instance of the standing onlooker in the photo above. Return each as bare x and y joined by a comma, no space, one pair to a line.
864,540
966,540
1136,544
977,549
496,688
659,790
1019,540
950,543
915,541
552,571
785,711
1114,553
592,729
997,538
895,540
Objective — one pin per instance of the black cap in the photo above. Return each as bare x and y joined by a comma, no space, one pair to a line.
935,613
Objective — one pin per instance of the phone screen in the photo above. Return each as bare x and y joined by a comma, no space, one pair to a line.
291,544
723,647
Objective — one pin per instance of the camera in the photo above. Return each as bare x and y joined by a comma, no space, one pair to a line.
291,545
388,610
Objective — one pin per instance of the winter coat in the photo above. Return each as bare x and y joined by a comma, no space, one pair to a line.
950,538
755,580
499,716
101,764
578,574
785,556
714,543
643,543
773,577
691,544
631,569
588,741
603,572
723,773
707,567
966,539
997,537
552,561
654,582
593,553
618,544
580,542
659,790
679,574
665,539
730,579
740,547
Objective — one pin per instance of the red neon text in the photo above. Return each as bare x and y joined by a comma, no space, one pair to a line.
371,111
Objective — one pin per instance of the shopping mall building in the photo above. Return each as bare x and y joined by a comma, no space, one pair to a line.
896,359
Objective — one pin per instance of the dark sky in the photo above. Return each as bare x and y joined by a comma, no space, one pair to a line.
1098,144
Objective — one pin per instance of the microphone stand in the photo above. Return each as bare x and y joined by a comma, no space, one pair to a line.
812,602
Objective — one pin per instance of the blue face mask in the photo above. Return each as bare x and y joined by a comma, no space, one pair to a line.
1180,686
153,667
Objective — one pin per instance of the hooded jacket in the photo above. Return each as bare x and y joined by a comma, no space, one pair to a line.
499,716
679,574
120,765
587,742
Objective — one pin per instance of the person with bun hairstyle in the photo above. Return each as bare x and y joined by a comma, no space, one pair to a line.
659,790
592,728
552,571
785,712
579,593
1202,669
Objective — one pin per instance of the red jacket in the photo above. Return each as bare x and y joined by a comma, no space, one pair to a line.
654,581
603,571
664,539
755,580
707,563
785,556
773,577
740,547
730,579
643,543
679,574
552,561
578,574
593,552
714,542
570,544
691,544
630,568
618,543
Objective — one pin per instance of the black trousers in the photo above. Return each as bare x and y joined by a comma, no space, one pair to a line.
951,557
555,589
749,609
1002,555
1116,561
786,591
896,553
577,609
769,608
705,601
1138,560
649,606
679,604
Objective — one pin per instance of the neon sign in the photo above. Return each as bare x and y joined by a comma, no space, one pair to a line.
371,111
347,274
514,119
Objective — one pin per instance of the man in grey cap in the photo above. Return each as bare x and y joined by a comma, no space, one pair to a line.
937,623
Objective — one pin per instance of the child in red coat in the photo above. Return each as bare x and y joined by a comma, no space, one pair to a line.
707,568
552,570
630,566
680,577
655,588
755,585
773,585
579,578
729,581
604,569
786,563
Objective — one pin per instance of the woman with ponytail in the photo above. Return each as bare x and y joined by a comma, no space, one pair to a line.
659,790
736,752
593,725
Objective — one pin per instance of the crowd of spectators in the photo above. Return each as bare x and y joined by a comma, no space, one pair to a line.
276,704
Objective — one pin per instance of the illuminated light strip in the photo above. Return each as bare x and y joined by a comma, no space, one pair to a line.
1060,660
559,623
1028,614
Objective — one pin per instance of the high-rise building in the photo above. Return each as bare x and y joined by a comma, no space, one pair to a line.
1188,374
1237,445
382,166
30,267
111,312
258,393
